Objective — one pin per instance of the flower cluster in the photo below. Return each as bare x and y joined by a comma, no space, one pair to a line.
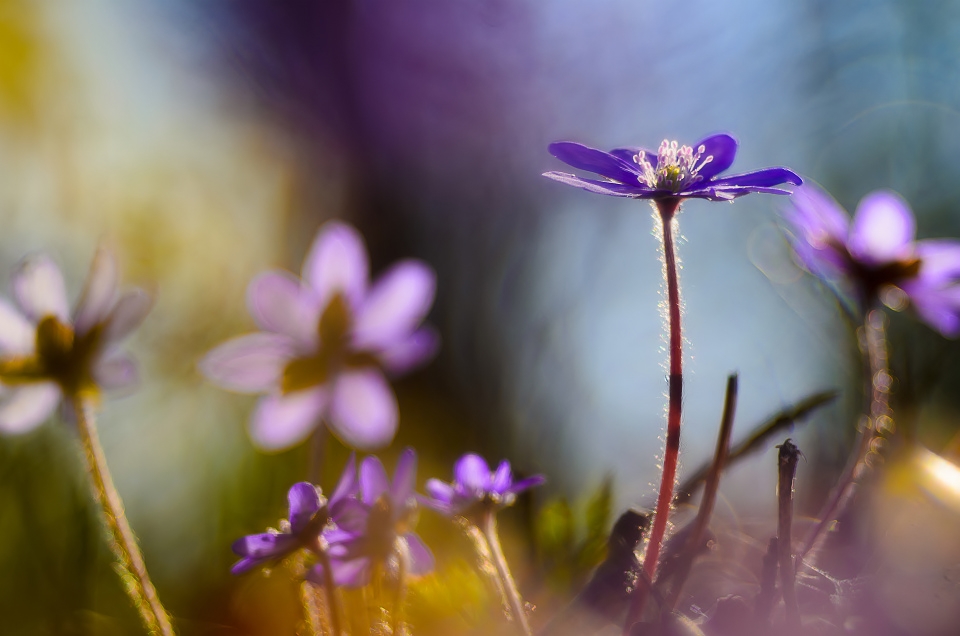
327,340
475,485
877,256
48,352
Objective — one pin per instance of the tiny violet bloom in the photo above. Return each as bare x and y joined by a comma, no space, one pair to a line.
674,172
326,342
48,353
309,514
876,253
384,540
474,483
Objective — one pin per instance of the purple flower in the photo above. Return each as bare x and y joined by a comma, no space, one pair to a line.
474,483
878,255
308,515
327,340
48,352
384,536
673,172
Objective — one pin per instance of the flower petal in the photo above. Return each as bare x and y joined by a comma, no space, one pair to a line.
249,364
421,558
350,515
404,478
363,412
119,371
441,494
337,262
282,421
278,302
17,335
939,261
27,406
765,178
723,149
410,352
939,308
353,573
349,485
883,228
304,502
99,292
502,478
593,160
472,472
396,304
601,187
129,312
39,289
628,153
260,548
525,484
373,480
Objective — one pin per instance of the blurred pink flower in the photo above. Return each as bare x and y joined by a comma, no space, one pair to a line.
326,341
47,354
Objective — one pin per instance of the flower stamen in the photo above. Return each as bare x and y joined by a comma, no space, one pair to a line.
676,167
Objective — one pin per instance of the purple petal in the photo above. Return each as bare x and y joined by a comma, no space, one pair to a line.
408,353
282,421
373,480
939,261
441,493
765,178
349,485
119,371
525,484
353,573
593,160
723,149
628,153
129,312
939,308
472,472
249,364
260,548
279,303
39,290
404,477
337,262
304,502
363,413
817,216
99,292
421,558
601,187
396,304
883,228
17,335
27,406
502,478
350,516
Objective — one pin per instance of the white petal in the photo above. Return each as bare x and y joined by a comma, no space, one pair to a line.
99,293
17,335
39,290
363,413
282,421
28,406
337,263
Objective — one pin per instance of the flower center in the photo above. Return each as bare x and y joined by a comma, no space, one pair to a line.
60,356
676,166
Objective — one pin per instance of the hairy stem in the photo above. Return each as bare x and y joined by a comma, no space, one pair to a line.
517,610
485,562
403,565
787,471
333,607
877,422
712,484
312,615
123,543
667,209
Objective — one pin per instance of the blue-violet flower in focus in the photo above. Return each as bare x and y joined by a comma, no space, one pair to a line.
673,172
878,255
326,342
385,537
309,514
48,352
474,483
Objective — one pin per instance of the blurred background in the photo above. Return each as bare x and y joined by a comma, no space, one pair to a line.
209,141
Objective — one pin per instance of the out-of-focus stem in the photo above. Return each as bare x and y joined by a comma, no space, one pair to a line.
123,543
485,560
667,209
878,421
311,612
787,464
396,616
517,610
333,607
712,484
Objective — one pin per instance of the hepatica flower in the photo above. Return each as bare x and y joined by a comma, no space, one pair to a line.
326,343
309,514
48,352
475,485
672,172
385,537
876,253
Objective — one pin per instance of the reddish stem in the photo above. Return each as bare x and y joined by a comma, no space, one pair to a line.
667,209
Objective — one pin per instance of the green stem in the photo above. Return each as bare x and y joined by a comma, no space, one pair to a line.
123,543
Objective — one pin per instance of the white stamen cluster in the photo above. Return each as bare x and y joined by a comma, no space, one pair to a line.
677,166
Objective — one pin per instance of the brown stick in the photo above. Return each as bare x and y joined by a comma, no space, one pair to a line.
787,462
